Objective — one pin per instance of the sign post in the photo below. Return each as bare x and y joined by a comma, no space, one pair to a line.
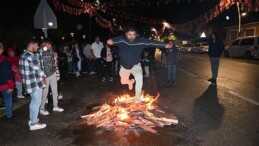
45,18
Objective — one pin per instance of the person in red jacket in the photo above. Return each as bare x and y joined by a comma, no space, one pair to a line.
6,83
14,60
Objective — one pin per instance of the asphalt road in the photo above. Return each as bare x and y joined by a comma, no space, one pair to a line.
222,115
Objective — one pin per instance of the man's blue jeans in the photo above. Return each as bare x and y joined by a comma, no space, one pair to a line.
35,105
8,103
171,73
214,67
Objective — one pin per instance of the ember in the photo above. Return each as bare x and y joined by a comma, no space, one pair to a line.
124,112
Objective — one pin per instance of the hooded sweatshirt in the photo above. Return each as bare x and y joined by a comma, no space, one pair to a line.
130,51
14,61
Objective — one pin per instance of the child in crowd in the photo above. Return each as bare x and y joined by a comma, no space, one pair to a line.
14,61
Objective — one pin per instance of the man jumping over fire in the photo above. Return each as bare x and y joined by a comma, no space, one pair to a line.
130,49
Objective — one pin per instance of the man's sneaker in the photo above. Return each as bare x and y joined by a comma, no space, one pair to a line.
131,84
111,79
29,122
169,83
210,80
2,107
44,112
60,96
139,100
37,126
103,80
20,97
214,82
58,109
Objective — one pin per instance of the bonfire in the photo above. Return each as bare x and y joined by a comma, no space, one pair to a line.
124,112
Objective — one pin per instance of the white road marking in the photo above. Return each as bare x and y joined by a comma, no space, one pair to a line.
191,74
244,98
231,92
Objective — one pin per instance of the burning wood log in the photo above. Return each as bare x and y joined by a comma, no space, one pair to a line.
161,119
124,112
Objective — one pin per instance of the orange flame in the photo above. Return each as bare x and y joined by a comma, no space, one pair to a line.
123,114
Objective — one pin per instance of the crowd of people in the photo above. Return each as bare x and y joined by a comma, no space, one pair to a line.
39,70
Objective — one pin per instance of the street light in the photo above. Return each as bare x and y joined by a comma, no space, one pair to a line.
244,14
239,17
72,35
227,17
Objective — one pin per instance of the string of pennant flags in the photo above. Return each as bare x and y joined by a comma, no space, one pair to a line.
80,7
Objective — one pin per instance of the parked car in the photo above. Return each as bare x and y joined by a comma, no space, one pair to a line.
247,47
186,48
200,48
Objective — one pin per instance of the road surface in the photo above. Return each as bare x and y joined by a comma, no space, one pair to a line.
222,115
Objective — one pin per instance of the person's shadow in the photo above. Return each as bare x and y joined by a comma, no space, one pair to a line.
207,113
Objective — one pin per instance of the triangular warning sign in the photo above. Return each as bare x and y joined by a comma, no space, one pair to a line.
44,16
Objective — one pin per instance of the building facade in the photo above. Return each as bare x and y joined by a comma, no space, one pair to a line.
249,29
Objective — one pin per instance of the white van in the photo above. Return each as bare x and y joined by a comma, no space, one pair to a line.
200,48
247,47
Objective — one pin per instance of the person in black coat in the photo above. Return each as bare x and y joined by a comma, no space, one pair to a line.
216,47
107,55
77,58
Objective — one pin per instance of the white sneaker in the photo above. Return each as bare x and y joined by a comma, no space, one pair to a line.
60,96
146,76
20,96
103,80
37,126
139,100
44,112
131,84
29,122
58,109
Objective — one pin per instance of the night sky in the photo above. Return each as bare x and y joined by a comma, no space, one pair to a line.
18,15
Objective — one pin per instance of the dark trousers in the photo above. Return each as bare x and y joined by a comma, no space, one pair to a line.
90,65
84,65
171,73
214,61
107,69
98,65
115,67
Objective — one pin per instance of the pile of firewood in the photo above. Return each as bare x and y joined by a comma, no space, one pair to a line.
124,112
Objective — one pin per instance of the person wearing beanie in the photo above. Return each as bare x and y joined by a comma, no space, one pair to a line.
6,83
14,61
